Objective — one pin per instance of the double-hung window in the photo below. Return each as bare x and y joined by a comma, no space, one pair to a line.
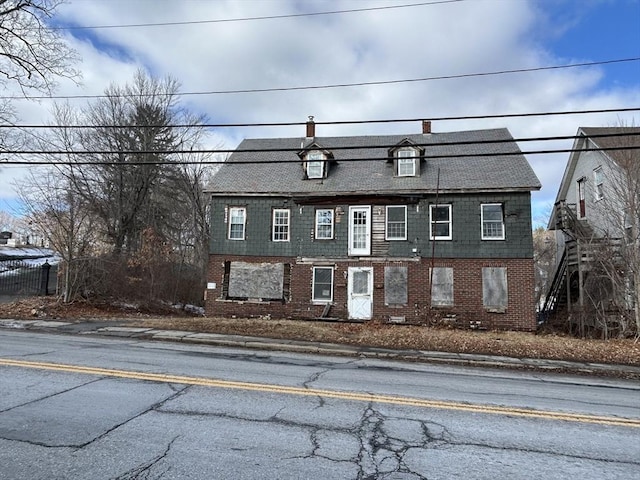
492,219
322,290
281,217
315,165
598,180
237,221
440,222
324,224
396,228
406,162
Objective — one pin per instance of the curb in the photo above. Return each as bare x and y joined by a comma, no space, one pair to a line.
296,346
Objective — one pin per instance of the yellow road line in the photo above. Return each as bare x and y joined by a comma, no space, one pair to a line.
355,396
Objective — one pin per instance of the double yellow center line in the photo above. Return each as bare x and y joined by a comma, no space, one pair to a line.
354,396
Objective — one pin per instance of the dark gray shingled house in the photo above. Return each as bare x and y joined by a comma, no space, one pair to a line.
412,228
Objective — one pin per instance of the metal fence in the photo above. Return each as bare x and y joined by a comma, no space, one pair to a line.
24,278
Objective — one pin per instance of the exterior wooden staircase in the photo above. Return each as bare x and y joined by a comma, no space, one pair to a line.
582,249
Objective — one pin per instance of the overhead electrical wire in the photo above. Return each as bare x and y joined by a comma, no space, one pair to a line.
248,19
329,123
297,150
275,162
331,86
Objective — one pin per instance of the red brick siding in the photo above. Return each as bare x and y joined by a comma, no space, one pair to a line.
467,285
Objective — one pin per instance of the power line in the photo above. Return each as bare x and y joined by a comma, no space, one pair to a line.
284,161
246,19
336,122
336,85
330,148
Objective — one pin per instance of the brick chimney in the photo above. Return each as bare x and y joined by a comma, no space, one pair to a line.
311,127
426,126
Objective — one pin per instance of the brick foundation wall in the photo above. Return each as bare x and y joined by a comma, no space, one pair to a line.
467,286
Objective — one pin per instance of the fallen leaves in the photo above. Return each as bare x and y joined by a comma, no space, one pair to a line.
374,334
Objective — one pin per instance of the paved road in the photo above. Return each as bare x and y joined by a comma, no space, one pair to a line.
80,407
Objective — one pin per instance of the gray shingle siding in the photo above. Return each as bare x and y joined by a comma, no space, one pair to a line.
466,228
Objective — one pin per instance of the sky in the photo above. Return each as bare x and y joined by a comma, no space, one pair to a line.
433,38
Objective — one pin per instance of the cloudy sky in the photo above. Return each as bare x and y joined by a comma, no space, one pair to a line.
222,46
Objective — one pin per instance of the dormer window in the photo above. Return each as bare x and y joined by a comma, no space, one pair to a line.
406,162
315,165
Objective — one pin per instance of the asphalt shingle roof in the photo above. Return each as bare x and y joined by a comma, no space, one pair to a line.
627,137
484,171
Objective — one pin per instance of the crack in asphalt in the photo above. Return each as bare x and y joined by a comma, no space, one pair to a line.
144,470
541,452
51,395
154,407
81,446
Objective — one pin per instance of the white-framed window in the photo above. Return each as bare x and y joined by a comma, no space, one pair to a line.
324,224
322,289
396,225
237,222
406,158
598,180
440,222
492,219
315,165
281,218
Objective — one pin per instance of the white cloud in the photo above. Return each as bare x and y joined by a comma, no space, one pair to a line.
427,41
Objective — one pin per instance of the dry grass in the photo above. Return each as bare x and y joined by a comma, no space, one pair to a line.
512,344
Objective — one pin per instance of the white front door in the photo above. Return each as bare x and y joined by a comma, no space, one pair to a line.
360,230
360,292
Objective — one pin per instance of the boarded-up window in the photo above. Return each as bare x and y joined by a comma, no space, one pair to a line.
256,280
395,285
442,286
494,287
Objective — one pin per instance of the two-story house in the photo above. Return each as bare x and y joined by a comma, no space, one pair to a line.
399,228
595,217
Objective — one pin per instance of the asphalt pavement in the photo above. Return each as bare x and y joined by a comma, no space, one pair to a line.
120,328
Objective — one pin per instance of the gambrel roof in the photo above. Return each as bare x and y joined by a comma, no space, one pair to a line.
468,161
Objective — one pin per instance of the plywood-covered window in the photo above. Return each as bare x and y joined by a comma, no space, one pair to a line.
395,285
441,286
495,292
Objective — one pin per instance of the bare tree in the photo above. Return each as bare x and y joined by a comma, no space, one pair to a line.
135,196
8,223
33,55
544,253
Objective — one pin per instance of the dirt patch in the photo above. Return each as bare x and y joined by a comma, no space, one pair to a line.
544,345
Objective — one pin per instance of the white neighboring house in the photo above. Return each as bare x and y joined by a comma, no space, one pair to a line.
595,214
